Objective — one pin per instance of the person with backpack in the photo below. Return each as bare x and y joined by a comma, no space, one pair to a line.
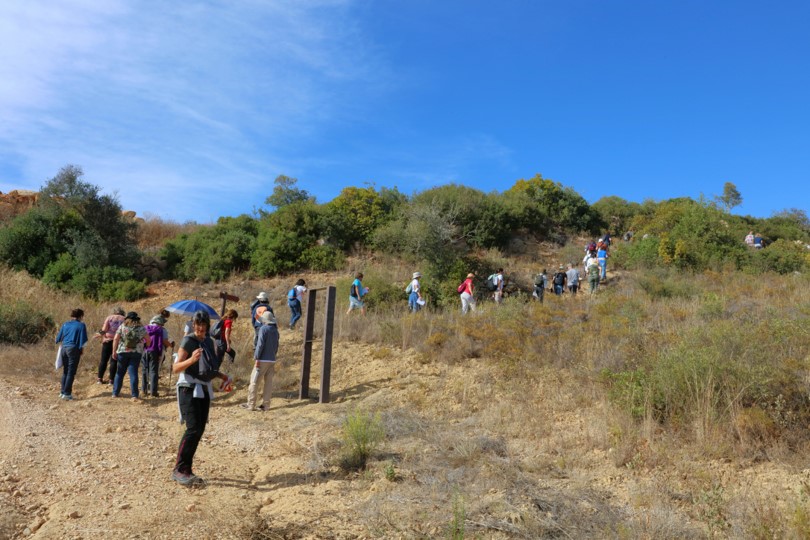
264,358
294,298
602,257
257,307
558,281
592,271
498,282
414,291
128,347
107,334
195,368
572,279
153,353
72,336
466,290
221,334
356,294
540,282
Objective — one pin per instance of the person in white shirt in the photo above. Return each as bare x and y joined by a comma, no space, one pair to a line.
499,283
415,300
294,299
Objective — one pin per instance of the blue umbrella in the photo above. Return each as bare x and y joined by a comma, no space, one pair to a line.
190,307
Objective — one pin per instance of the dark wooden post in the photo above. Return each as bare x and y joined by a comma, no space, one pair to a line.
225,297
328,330
309,326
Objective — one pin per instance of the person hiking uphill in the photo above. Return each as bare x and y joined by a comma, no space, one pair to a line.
257,307
294,298
540,283
592,271
466,289
558,281
415,293
195,368
356,294
73,336
602,257
499,284
572,279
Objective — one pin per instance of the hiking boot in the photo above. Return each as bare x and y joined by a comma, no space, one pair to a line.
67,397
246,406
100,381
187,479
155,394
261,408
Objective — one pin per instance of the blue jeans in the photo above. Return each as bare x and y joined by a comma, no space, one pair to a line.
70,363
603,268
295,309
412,302
127,362
558,290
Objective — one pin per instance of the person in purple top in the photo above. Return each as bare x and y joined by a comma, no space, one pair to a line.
72,335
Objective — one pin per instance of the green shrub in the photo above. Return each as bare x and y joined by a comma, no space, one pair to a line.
362,433
125,291
323,258
21,324
782,257
660,285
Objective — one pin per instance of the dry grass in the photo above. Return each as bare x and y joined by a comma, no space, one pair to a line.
153,232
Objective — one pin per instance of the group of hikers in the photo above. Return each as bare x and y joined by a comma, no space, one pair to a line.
127,345
754,240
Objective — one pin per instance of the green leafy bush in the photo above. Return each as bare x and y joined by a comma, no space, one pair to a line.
323,258
125,291
21,324
782,257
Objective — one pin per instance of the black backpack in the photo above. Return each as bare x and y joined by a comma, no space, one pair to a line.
216,330
559,278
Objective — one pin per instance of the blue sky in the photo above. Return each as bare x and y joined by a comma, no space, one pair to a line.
189,110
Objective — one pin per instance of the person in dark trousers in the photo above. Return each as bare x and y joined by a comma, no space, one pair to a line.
558,281
72,335
224,343
153,354
107,334
540,281
195,368
294,298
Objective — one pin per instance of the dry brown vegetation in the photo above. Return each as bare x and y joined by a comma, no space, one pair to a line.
667,406
153,232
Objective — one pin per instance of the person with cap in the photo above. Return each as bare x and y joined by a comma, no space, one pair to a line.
194,366
264,358
107,334
356,294
128,350
602,257
153,353
257,307
558,281
467,294
294,299
415,301
73,336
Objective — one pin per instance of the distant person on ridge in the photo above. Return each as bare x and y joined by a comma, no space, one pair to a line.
602,257
749,239
572,278
759,242
466,289
558,281
356,294
414,291
73,336
540,283
499,284
592,271
295,298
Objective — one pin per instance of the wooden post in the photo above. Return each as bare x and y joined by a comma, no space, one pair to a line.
328,330
309,326
225,297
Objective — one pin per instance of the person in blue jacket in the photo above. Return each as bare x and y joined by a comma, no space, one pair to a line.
72,335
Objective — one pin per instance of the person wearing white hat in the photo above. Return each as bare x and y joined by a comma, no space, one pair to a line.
257,307
264,356
415,301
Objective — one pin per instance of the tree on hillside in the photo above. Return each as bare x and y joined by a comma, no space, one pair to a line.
74,238
285,192
730,197
558,207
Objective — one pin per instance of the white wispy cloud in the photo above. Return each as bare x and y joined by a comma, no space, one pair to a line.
177,99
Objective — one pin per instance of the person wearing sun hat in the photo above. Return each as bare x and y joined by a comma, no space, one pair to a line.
257,307
264,358
466,289
415,301
128,350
